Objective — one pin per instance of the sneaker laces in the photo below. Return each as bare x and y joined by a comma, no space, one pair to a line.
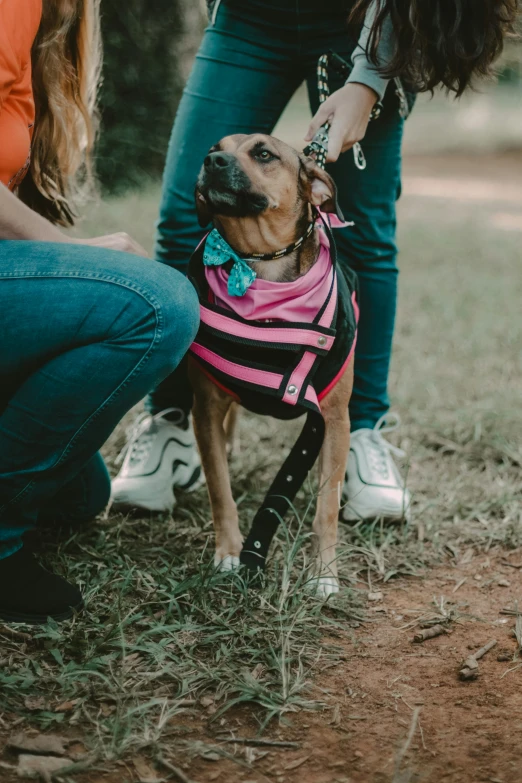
379,449
140,436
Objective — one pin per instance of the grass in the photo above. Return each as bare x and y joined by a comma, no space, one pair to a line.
167,642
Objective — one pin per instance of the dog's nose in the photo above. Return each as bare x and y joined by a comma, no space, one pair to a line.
217,160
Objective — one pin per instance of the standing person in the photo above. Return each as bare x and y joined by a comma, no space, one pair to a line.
86,331
252,59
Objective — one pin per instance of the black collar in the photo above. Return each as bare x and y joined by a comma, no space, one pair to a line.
286,250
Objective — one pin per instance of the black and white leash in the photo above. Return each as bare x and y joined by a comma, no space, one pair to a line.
319,144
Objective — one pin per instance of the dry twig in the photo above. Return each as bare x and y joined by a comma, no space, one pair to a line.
176,771
12,633
406,746
469,669
261,742
430,633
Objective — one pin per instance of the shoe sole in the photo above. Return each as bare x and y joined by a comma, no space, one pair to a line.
155,499
39,619
347,515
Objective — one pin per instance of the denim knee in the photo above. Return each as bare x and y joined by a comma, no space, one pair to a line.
177,310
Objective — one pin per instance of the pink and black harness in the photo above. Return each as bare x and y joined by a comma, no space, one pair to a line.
278,350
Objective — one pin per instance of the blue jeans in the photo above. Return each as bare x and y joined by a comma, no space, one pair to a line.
85,334
248,67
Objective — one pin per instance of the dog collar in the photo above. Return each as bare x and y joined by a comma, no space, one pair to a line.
218,252
286,250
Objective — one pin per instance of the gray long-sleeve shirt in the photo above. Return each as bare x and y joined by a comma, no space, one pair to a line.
364,72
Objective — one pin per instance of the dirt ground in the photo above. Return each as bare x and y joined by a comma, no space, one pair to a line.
465,731
394,710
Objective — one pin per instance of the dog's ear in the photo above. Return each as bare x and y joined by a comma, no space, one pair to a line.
319,187
203,212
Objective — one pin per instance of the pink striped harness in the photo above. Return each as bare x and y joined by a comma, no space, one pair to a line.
278,349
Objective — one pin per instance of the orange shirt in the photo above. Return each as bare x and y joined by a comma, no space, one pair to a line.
19,22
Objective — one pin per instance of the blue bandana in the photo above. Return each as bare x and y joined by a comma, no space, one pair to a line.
217,252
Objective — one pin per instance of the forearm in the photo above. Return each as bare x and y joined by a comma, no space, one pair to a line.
19,222
365,72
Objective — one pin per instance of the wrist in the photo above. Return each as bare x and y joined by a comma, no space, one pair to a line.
363,91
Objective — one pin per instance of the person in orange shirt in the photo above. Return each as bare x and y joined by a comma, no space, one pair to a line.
86,330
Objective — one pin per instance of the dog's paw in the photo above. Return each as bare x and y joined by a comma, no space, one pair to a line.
324,586
226,563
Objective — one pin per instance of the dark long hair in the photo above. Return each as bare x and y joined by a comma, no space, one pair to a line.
440,42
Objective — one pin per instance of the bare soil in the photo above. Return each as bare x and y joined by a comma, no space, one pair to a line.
466,731
383,688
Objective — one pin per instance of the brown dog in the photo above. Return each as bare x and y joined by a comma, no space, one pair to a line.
258,191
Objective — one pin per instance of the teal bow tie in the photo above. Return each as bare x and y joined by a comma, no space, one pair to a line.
217,252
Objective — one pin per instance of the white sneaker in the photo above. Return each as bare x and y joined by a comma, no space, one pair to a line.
374,487
159,456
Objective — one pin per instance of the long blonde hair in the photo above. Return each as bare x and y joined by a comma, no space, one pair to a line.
66,62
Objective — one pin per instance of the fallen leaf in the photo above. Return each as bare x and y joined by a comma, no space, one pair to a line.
336,716
296,763
146,773
210,756
67,706
131,660
518,631
258,671
35,703
77,751
39,743
30,766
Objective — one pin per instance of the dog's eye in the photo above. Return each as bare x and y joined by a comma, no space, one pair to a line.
265,155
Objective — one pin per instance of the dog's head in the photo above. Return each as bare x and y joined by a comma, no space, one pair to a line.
254,176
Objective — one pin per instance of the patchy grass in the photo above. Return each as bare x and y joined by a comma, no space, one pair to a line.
167,643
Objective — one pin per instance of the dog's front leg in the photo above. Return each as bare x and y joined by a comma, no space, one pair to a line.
210,408
332,467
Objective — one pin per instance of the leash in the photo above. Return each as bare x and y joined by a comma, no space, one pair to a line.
319,144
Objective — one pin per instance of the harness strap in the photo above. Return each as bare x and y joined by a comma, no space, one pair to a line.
295,468
282,492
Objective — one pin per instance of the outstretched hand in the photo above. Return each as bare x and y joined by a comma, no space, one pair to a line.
348,110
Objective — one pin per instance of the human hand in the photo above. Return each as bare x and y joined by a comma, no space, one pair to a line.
348,110
120,241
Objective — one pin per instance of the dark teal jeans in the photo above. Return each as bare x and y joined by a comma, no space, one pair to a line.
249,64
85,334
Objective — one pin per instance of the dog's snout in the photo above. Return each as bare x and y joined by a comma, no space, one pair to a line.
217,160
